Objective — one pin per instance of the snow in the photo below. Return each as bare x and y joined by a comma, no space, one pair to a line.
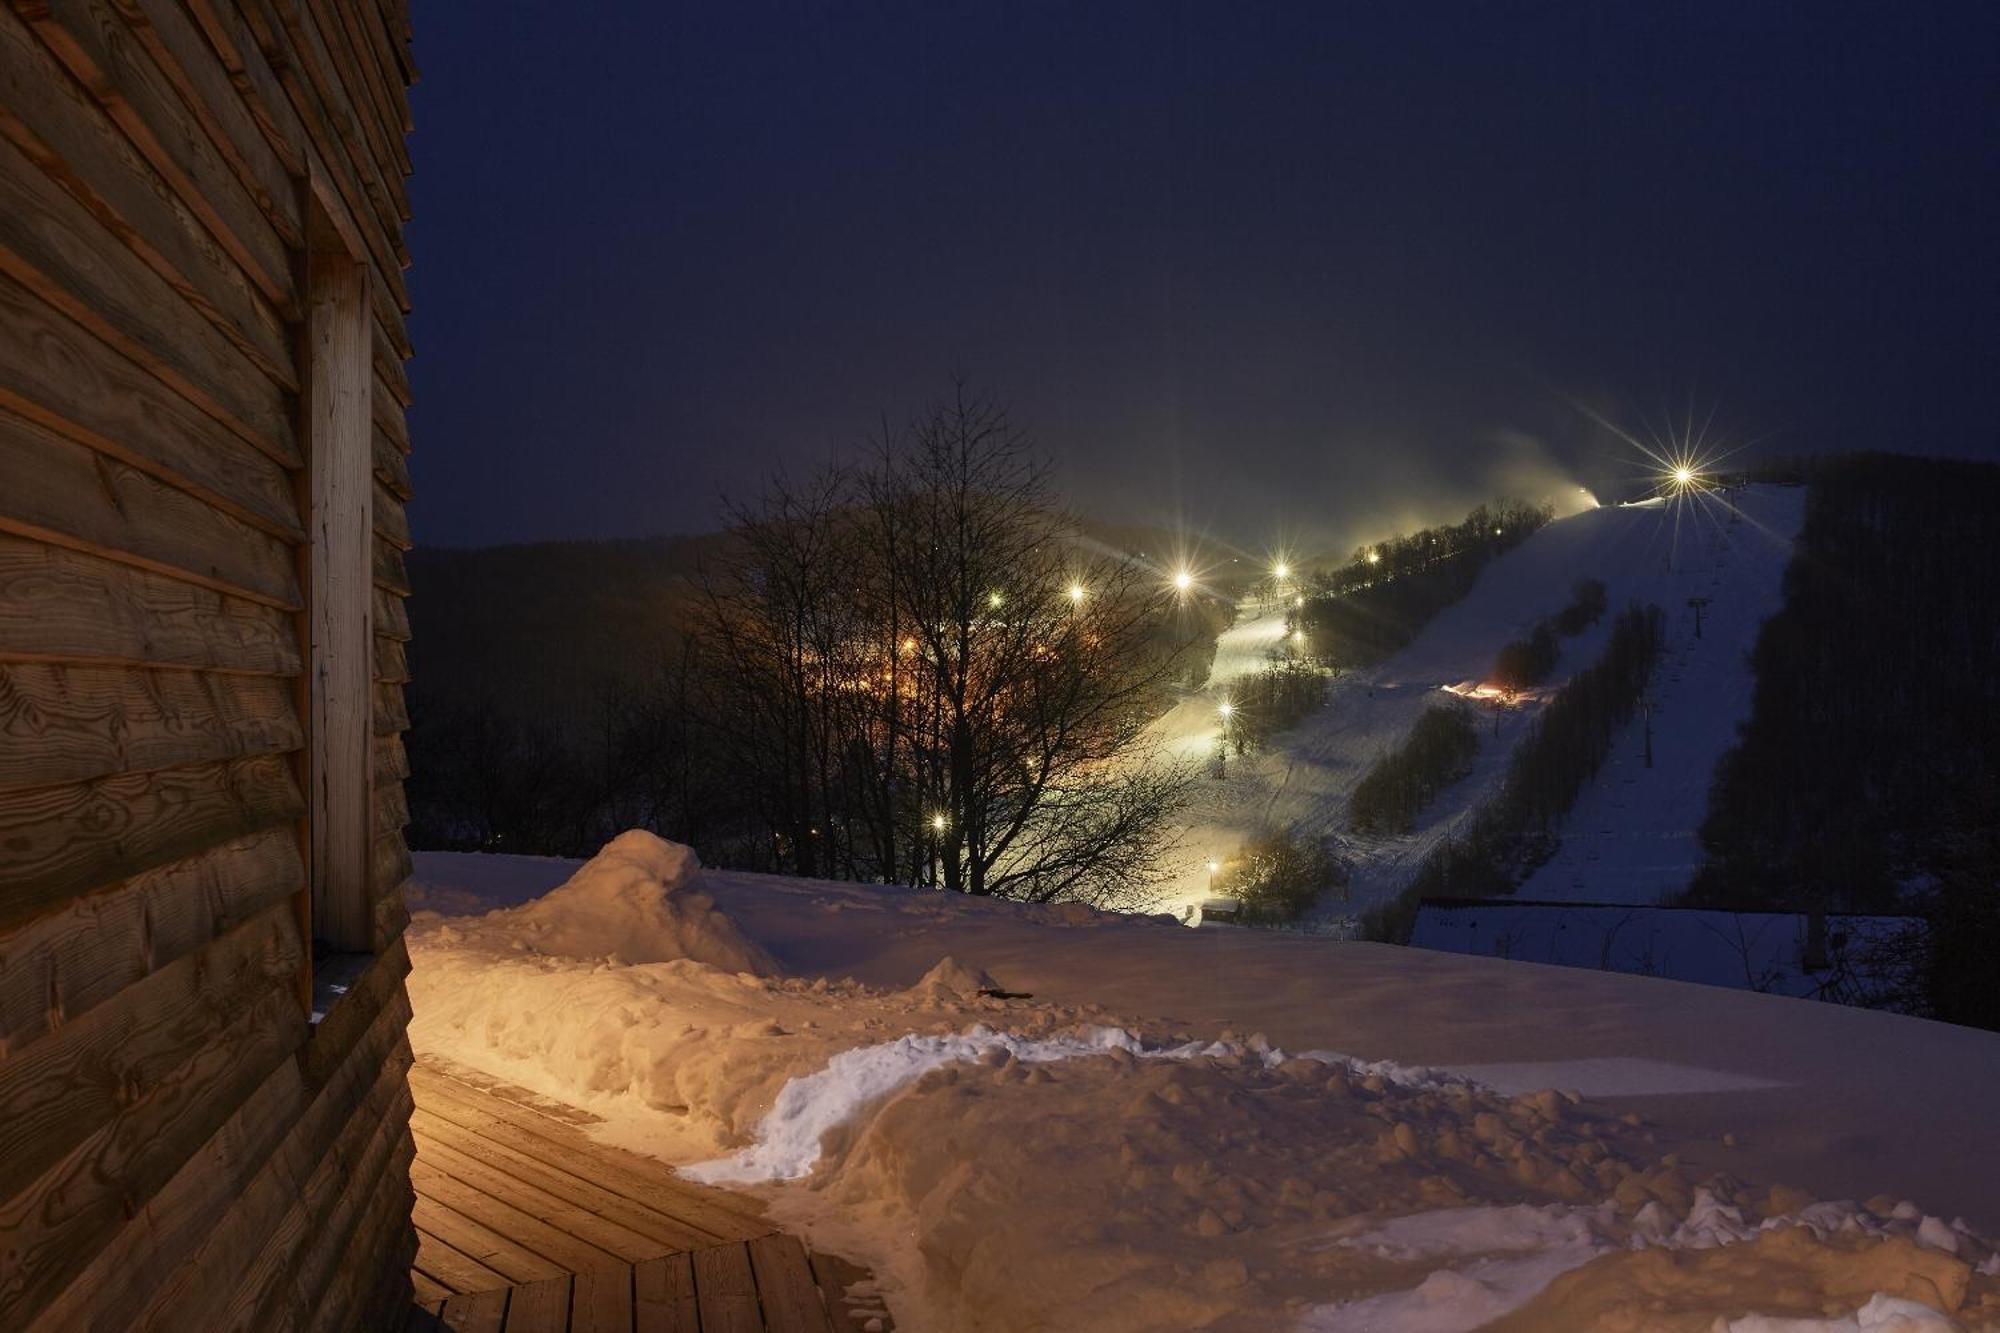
1759,951
1631,838
1136,1136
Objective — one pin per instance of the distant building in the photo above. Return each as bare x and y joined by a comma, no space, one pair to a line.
203,1095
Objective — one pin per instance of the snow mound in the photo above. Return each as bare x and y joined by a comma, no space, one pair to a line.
952,980
636,901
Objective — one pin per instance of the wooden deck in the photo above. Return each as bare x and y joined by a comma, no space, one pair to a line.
527,1225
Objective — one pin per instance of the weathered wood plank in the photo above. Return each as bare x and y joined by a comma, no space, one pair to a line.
486,1245
59,841
392,761
340,687
97,1117
353,66
475,1311
429,1291
54,490
434,1132
601,1303
391,863
785,1286
452,1268
352,1016
47,114
391,809
663,1296
66,606
550,1141
388,919
249,1247
351,1248
390,375
386,567
392,620
381,185
390,713
57,967
184,57
540,1307
54,373
277,32
573,1254
251,76
72,724
392,523
726,1291
391,468
516,1192
59,249
345,1194
90,42
387,414
392,665
150,1253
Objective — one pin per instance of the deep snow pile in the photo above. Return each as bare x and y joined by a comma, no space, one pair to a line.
636,901
1632,835
1147,1176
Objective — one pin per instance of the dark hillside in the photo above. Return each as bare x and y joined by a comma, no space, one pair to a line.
1868,776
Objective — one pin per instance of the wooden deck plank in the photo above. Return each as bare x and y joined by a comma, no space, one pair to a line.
471,1240
540,1307
671,1234
570,1254
663,1296
429,1291
513,1188
475,1311
785,1287
726,1290
558,1145
446,1266
601,1303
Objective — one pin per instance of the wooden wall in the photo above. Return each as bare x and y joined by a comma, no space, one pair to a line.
181,1146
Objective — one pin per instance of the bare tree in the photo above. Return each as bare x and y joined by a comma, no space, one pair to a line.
1031,665
927,679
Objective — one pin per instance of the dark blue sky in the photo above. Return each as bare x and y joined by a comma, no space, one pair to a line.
1315,267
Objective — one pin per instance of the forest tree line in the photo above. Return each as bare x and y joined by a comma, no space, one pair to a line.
1514,831
1360,613
1868,776
910,669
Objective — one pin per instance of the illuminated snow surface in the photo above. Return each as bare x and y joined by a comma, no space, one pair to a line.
1136,1137
1631,837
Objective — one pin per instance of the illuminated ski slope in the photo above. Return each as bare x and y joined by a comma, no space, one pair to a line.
1634,827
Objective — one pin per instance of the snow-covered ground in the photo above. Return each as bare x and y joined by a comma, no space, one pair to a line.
1129,1145
1631,836
1761,951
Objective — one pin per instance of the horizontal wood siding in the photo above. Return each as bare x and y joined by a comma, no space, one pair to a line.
181,1145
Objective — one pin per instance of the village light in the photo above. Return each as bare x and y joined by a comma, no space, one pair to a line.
1183,581
1281,571
1374,557
994,599
1225,708
1076,593
938,823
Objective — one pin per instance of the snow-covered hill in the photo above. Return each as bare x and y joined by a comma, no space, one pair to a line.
1631,837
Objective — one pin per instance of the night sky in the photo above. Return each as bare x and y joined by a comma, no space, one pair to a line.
1311,270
